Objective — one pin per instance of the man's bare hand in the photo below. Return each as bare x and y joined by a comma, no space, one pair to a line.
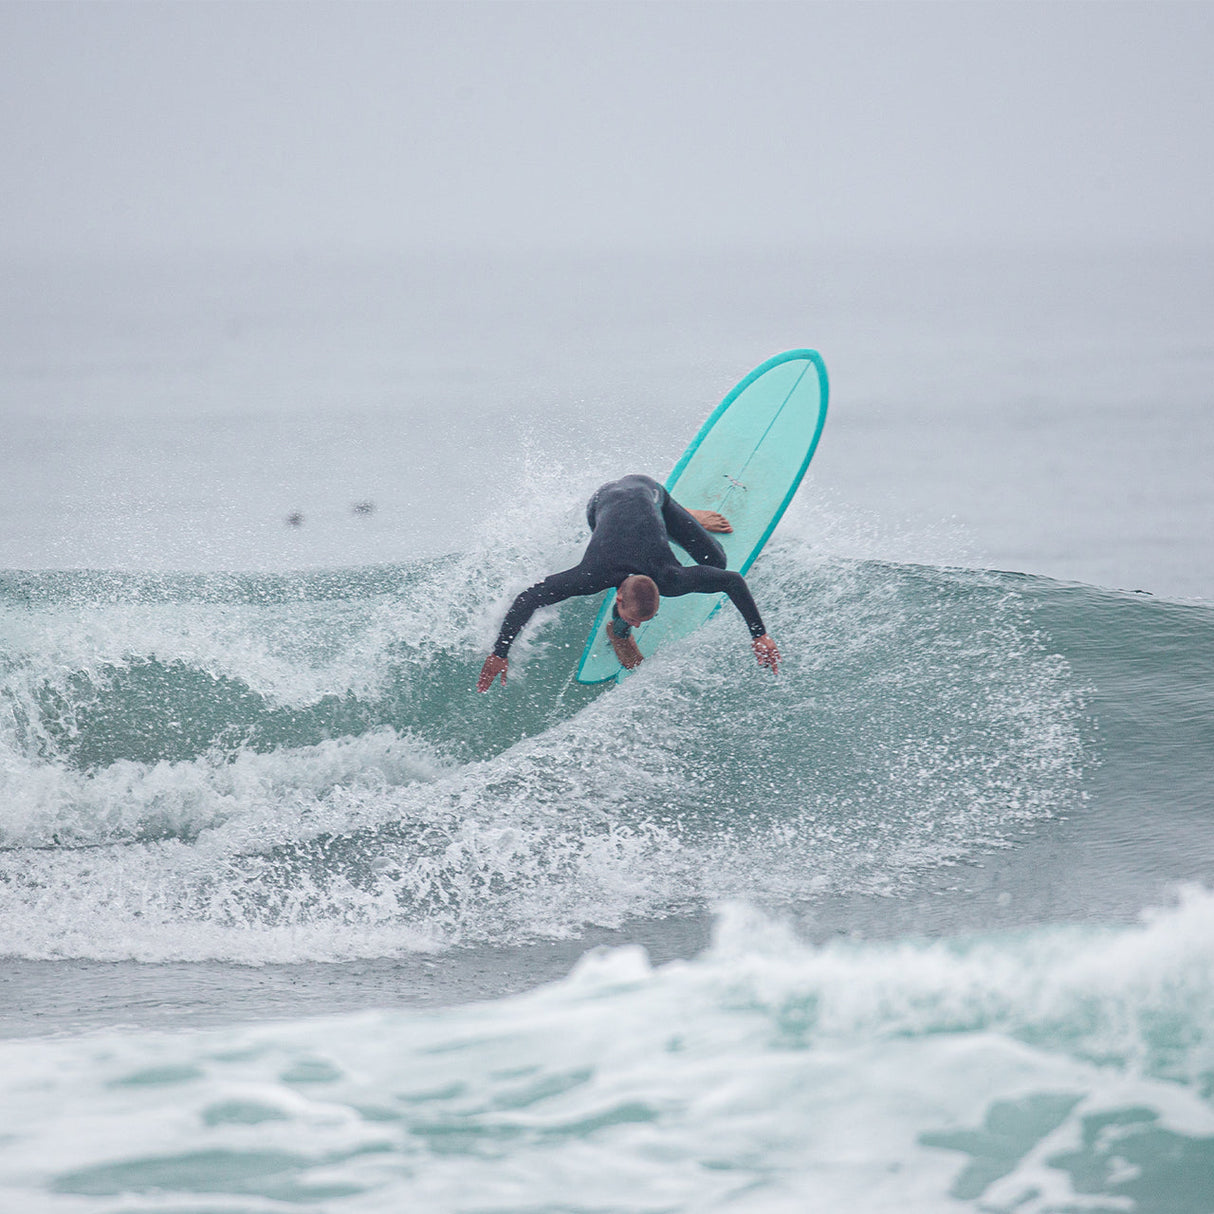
625,649
490,670
767,653
710,520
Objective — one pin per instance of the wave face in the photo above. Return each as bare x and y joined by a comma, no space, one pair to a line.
1056,1070
294,767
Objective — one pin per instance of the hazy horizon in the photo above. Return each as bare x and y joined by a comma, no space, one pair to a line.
131,129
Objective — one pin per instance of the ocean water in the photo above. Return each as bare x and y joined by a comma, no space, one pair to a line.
292,919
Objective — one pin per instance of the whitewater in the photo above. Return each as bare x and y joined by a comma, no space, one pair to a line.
292,919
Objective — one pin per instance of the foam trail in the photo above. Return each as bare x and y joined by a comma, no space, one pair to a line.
175,790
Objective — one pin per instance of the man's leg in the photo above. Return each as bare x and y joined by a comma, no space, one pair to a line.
686,531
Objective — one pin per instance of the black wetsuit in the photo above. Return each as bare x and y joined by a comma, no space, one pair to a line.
633,521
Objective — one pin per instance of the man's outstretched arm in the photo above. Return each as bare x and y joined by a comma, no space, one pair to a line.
706,579
553,589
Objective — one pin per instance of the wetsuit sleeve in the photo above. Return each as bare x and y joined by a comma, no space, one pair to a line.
705,579
619,626
555,588
686,531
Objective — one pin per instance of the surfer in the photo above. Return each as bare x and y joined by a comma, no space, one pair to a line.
633,522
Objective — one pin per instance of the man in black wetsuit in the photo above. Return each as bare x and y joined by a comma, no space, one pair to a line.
633,521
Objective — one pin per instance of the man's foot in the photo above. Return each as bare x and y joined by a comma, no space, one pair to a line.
626,650
710,520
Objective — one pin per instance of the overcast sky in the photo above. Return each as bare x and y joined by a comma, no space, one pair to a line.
299,126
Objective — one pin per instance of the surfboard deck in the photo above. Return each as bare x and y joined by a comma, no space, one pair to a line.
746,463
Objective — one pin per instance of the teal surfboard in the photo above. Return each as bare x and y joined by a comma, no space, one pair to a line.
746,462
